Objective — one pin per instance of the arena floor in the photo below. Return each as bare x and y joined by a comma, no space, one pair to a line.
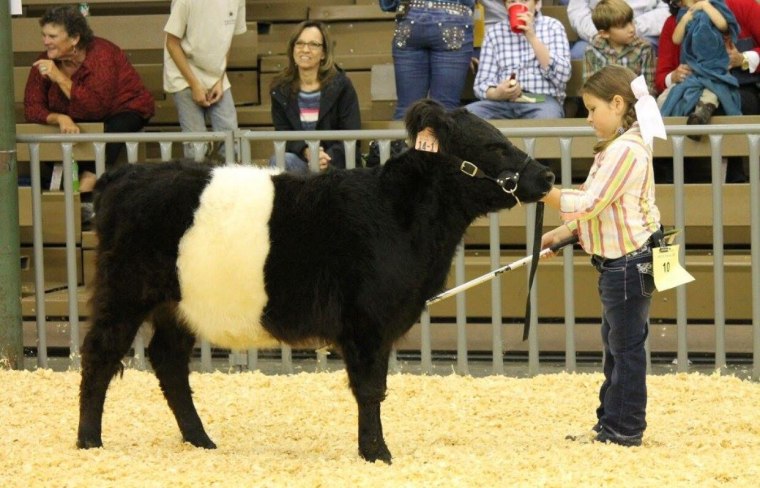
300,430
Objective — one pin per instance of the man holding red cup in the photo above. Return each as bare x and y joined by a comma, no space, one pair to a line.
524,66
518,13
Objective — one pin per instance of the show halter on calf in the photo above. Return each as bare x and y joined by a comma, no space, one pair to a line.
246,257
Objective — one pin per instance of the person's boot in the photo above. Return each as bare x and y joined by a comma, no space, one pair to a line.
607,437
700,116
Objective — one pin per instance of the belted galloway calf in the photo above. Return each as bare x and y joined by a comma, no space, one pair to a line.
245,257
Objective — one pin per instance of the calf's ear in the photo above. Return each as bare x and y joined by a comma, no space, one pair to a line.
427,114
426,140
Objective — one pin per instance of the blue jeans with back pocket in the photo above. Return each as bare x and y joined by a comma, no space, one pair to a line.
626,285
432,49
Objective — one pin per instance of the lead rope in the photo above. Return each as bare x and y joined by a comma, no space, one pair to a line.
539,225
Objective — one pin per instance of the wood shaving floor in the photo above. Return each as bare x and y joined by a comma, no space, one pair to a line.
451,431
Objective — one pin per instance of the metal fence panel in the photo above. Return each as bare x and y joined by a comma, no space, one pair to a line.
564,137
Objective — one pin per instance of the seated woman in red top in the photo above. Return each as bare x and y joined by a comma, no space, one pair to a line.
83,78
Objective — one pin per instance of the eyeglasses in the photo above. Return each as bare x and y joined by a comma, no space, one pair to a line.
310,45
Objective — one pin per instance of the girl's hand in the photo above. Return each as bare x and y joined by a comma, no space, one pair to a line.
554,236
552,198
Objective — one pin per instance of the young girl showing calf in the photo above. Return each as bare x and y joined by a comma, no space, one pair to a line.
617,221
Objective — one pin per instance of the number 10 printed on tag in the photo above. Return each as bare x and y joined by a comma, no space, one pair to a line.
668,272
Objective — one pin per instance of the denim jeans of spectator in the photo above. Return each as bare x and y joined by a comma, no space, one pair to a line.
431,55
293,163
502,109
192,118
626,285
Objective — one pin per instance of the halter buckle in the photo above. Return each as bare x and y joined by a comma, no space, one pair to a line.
468,168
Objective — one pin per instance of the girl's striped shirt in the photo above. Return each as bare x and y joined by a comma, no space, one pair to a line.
614,211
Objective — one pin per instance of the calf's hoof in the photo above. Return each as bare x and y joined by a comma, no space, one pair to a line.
89,443
376,453
201,441
88,438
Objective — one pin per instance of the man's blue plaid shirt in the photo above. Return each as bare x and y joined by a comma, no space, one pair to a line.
505,52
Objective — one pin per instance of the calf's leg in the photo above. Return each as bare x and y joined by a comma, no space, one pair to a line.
367,373
104,346
169,353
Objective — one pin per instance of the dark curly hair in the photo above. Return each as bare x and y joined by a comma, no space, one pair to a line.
71,19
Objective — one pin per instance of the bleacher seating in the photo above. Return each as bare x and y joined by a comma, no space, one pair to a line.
361,32
145,51
362,36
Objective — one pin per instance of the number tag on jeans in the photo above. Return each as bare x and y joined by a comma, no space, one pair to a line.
668,272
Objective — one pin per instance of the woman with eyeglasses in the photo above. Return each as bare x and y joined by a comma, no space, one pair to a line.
312,93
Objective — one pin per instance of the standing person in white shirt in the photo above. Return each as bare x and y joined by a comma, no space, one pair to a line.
198,39
648,17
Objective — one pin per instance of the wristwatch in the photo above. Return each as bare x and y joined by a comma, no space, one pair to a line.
745,62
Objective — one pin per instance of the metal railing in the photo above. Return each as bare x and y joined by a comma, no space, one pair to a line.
562,136
98,141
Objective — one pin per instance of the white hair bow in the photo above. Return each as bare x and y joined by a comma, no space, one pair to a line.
647,112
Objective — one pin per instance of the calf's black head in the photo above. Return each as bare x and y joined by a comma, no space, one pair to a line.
490,154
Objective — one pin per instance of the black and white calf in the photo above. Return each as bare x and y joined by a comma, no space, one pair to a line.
246,257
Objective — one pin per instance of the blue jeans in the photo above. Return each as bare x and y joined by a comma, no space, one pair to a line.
431,55
503,109
192,118
293,163
626,285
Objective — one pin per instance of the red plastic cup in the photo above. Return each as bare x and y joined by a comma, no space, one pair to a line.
515,9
